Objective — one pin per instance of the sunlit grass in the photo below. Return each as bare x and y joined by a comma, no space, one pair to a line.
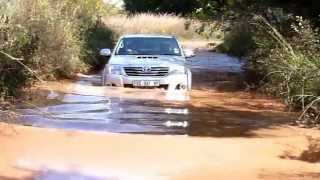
180,27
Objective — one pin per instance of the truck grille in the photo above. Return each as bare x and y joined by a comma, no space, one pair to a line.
147,71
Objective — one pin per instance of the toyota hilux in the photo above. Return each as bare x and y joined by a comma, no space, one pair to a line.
147,61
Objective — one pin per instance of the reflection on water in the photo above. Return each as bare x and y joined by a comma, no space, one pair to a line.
110,114
176,124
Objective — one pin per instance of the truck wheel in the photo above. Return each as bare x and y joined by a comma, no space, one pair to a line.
103,78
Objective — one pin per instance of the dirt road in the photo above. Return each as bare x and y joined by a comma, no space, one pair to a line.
214,132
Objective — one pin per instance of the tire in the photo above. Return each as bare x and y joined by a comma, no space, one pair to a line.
103,78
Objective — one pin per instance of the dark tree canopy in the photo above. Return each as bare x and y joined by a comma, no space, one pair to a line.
309,8
161,6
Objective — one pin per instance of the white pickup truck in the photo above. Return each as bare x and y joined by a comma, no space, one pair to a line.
147,61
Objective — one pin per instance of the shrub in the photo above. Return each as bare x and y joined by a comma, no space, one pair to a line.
239,41
291,64
13,75
160,6
97,37
288,67
282,58
52,38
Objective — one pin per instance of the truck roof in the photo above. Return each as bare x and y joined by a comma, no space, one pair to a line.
147,36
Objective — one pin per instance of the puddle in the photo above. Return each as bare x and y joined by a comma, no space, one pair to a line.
86,106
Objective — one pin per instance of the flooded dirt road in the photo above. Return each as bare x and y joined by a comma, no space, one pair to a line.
81,130
85,105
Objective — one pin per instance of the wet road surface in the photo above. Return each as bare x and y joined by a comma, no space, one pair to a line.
216,107
88,106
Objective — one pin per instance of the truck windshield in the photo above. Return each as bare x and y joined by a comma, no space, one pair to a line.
148,46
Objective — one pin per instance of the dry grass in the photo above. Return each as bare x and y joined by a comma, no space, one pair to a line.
150,23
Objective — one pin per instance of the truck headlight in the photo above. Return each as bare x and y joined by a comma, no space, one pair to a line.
116,70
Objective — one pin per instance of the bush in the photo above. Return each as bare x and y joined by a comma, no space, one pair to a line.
160,6
13,40
282,58
97,38
53,39
287,66
13,76
290,64
239,41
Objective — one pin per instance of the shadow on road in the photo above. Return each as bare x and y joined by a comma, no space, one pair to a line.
223,122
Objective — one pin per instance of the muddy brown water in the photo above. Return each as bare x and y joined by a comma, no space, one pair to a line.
216,107
203,112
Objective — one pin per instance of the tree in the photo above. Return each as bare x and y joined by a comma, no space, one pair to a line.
183,7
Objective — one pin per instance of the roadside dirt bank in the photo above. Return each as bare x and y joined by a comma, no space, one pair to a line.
28,153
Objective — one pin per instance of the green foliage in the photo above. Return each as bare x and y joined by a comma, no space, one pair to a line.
13,40
161,6
12,77
282,58
97,37
52,38
239,41
286,66
281,49
209,8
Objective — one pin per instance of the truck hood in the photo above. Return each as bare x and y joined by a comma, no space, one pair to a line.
129,60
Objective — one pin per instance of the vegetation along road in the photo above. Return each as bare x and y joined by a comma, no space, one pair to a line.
252,113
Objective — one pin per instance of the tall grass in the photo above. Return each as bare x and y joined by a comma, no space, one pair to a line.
294,68
284,60
180,27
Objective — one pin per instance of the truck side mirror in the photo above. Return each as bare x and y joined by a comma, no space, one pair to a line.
188,53
105,52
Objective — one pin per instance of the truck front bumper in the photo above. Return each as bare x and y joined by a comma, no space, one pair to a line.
172,81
